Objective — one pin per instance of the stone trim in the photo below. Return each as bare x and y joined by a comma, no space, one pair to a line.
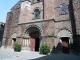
78,29
49,36
14,35
63,20
64,33
59,6
19,37
64,14
13,26
36,2
41,31
41,20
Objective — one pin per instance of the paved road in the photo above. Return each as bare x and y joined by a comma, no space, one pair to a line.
9,54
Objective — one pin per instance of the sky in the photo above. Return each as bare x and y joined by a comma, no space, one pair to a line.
5,6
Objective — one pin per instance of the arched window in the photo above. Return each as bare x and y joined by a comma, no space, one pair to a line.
63,9
17,18
37,14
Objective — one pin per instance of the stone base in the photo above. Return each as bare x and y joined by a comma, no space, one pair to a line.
25,48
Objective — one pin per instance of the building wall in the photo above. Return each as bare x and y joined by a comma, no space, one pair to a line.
11,24
49,9
76,6
51,21
27,11
7,28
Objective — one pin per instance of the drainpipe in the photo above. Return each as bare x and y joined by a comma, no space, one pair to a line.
43,9
73,24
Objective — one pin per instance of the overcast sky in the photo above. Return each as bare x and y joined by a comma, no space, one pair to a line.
5,6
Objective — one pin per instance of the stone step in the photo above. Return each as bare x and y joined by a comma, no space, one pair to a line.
25,48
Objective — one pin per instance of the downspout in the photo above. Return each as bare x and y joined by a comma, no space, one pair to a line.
73,24
72,17
43,9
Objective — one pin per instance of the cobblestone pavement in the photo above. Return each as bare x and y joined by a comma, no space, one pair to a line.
9,54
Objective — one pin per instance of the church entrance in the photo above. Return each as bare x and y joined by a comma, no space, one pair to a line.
13,39
65,45
34,39
13,42
64,36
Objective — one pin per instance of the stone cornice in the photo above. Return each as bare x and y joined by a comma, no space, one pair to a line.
13,26
41,20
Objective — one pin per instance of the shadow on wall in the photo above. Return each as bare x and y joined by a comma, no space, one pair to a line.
59,49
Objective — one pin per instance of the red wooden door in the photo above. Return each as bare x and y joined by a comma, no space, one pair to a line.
32,44
65,45
34,41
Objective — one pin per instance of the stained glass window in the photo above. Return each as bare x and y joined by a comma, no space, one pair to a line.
63,9
37,14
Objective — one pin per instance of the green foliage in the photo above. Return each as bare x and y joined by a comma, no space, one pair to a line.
17,47
44,48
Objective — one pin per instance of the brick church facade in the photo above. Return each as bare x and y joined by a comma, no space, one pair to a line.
33,22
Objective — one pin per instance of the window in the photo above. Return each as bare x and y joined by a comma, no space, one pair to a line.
63,9
17,18
18,6
37,14
2,27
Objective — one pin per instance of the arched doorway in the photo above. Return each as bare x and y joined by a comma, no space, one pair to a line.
34,34
65,44
13,39
65,36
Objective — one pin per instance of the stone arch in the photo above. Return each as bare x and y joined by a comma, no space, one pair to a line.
64,36
34,33
36,8
36,13
34,26
63,4
14,35
64,33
